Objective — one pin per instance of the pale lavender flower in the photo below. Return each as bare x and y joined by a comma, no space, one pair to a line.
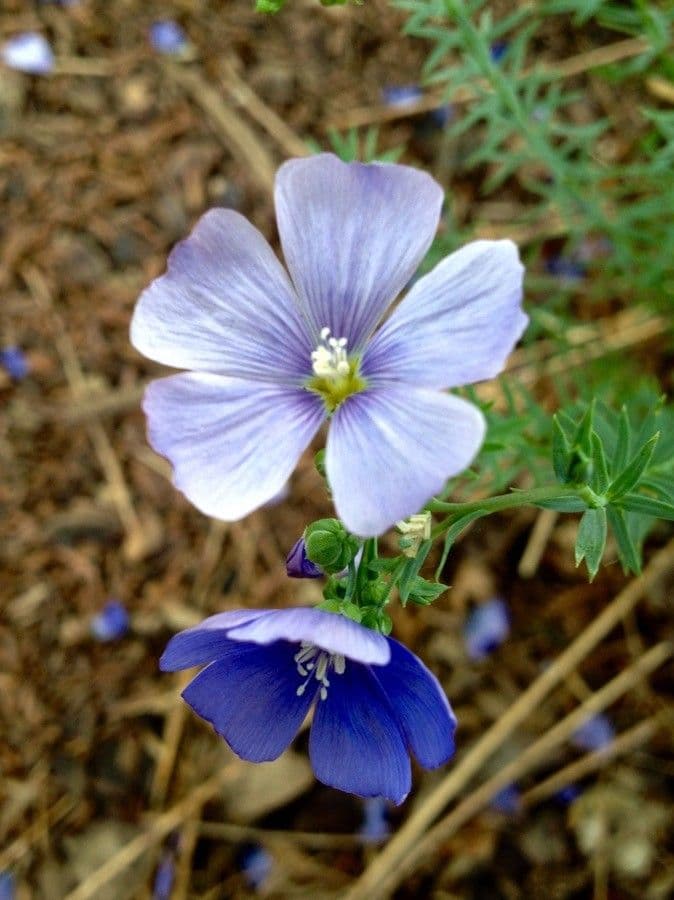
273,358
487,626
28,52
111,623
167,36
595,733
375,702
400,96
13,361
298,564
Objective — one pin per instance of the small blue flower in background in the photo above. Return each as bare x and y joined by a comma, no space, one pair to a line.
164,877
507,801
111,623
498,50
272,358
28,52
168,37
376,826
7,886
486,628
375,702
13,361
401,95
256,863
595,733
568,794
566,268
298,564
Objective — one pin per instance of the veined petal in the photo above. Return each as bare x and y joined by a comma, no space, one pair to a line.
249,695
353,235
329,631
203,643
355,743
225,305
458,324
421,708
232,444
390,449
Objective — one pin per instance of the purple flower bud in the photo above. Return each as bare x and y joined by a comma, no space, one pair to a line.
486,628
298,564
164,878
112,622
506,801
498,50
28,52
14,362
166,36
401,95
595,733
256,864
375,827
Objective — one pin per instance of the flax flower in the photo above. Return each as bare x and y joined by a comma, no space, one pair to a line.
272,356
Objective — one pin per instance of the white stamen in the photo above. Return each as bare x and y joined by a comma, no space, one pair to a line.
329,359
318,668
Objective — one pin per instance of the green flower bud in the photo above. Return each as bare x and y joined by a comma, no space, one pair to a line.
329,545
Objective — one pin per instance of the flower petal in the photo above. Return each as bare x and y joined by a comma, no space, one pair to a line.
203,643
249,695
392,448
355,743
232,444
225,305
352,236
458,324
329,631
421,708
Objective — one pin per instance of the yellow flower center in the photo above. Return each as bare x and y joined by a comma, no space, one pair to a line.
336,377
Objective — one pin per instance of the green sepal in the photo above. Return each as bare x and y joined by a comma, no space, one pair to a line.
351,611
319,459
423,592
630,476
647,506
329,545
378,620
591,539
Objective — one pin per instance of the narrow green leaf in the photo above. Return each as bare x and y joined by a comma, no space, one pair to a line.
411,570
648,506
600,476
630,476
591,540
627,549
452,534
622,448
585,431
560,451
564,505
423,592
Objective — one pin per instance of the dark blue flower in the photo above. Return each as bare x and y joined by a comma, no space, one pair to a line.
486,628
13,361
164,877
167,36
595,733
111,623
298,564
568,794
498,50
375,702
